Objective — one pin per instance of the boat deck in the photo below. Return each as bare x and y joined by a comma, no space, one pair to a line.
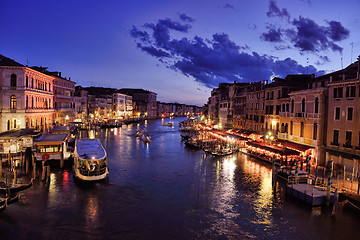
90,149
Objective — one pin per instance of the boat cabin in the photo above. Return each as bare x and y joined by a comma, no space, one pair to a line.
52,147
16,141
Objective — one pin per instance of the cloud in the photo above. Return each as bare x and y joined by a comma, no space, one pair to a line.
323,60
304,33
274,11
309,36
185,18
228,5
210,60
273,35
337,32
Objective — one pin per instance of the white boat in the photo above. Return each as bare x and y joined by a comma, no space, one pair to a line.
90,162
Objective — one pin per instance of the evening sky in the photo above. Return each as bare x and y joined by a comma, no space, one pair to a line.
180,49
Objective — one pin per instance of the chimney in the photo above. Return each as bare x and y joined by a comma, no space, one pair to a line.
59,74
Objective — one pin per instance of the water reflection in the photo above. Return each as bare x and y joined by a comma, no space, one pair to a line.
91,212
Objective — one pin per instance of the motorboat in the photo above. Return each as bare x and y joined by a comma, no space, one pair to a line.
146,138
90,160
169,124
138,133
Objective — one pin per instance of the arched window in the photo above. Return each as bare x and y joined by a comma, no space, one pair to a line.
13,80
292,106
303,105
27,81
316,105
13,102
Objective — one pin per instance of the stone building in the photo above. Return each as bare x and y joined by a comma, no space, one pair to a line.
27,97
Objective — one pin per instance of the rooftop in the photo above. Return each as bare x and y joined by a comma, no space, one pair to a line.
4,61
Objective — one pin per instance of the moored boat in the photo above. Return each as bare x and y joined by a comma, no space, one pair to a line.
11,189
169,124
90,160
3,203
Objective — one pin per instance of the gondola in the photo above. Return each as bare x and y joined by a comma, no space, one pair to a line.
11,189
3,203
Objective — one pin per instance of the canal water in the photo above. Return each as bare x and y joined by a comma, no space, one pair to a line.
163,190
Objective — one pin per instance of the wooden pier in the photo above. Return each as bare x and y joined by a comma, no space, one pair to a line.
309,194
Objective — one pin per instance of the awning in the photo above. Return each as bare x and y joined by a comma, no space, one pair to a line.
272,148
292,145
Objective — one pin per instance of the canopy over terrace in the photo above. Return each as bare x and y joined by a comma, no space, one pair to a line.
302,149
275,149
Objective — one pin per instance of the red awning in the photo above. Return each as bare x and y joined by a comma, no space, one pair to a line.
292,145
272,148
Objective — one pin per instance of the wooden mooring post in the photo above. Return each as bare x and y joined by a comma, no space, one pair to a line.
34,166
43,174
0,166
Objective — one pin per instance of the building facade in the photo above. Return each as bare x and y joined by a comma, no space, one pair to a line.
27,97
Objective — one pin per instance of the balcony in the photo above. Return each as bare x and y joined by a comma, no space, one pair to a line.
334,143
284,114
347,146
283,135
314,115
301,114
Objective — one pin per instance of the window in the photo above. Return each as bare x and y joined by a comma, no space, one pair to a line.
335,137
292,106
315,131
337,113
316,105
350,91
12,102
338,92
303,105
13,80
27,81
291,127
287,107
302,126
27,102
279,93
322,83
350,113
272,95
32,82
348,138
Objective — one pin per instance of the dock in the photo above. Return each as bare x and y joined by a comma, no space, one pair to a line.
309,194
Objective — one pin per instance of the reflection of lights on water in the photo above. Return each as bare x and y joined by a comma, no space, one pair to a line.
91,212
116,131
52,183
65,181
229,166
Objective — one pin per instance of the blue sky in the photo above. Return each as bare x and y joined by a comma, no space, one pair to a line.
180,49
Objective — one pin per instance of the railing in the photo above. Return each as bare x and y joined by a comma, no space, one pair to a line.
283,135
347,146
313,115
86,172
301,114
284,114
